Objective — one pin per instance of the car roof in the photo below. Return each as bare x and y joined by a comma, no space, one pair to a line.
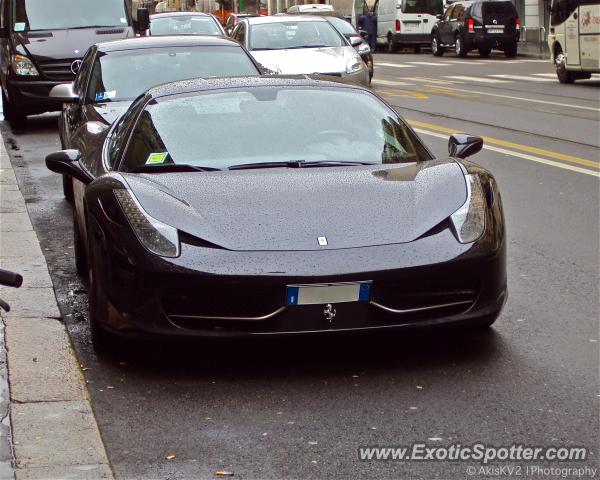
231,83
284,18
165,41
179,14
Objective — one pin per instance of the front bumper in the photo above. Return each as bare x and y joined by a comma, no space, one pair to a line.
209,292
33,96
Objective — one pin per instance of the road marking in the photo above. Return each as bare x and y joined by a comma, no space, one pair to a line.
516,146
431,64
477,79
522,77
405,94
395,65
547,75
391,83
564,166
465,62
533,100
435,80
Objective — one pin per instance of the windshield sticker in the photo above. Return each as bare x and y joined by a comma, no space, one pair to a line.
157,158
20,26
102,96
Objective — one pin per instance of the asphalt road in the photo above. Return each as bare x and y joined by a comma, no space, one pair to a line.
301,408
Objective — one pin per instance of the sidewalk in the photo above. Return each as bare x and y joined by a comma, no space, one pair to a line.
45,402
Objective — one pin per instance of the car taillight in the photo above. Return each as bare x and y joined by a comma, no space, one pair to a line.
397,25
471,25
517,23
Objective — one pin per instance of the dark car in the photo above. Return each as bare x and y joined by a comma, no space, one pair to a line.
42,44
348,31
306,220
481,25
234,18
113,74
185,23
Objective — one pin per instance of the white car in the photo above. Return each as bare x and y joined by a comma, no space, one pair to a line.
301,45
311,8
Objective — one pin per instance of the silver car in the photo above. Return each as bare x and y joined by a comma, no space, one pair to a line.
301,45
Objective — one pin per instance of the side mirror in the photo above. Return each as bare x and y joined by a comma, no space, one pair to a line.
66,162
143,20
463,145
64,93
356,41
363,33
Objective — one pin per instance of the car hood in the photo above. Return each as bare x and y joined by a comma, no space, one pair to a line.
288,209
66,44
304,61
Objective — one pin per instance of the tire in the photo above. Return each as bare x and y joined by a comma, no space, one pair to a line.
484,51
12,114
391,46
459,46
510,50
436,45
102,340
564,75
81,261
67,186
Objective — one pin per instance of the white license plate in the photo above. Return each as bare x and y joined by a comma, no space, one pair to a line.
495,30
411,27
328,293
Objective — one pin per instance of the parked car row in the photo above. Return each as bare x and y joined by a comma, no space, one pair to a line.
212,200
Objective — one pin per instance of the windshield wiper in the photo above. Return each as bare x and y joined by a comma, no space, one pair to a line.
172,168
307,46
95,26
298,164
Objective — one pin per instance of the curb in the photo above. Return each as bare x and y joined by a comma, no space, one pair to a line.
45,401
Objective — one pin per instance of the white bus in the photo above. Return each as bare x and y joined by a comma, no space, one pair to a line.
574,38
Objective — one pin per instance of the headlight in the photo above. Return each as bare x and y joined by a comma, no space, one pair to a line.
364,48
23,66
353,65
159,238
468,221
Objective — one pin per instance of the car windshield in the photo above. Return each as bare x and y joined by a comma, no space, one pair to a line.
184,25
124,75
284,35
272,124
64,14
342,26
431,7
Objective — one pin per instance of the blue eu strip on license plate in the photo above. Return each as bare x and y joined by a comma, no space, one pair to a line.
328,293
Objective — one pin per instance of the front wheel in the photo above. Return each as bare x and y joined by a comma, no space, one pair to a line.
436,46
459,47
12,113
564,75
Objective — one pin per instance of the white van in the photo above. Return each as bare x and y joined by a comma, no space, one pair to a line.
406,22
574,39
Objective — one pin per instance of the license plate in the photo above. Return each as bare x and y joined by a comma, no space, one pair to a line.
328,293
411,27
495,30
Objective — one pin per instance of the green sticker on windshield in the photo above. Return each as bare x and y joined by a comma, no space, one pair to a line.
157,158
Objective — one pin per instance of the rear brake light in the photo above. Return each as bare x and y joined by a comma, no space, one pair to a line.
397,25
518,23
471,25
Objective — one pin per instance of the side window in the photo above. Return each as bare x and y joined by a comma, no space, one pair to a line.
476,12
119,135
456,13
229,22
448,13
239,33
562,10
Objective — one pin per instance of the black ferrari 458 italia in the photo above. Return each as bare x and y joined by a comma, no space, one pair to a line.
260,206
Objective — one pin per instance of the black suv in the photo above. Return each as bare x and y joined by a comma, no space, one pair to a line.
481,25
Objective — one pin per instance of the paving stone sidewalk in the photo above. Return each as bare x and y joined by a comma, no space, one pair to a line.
47,427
